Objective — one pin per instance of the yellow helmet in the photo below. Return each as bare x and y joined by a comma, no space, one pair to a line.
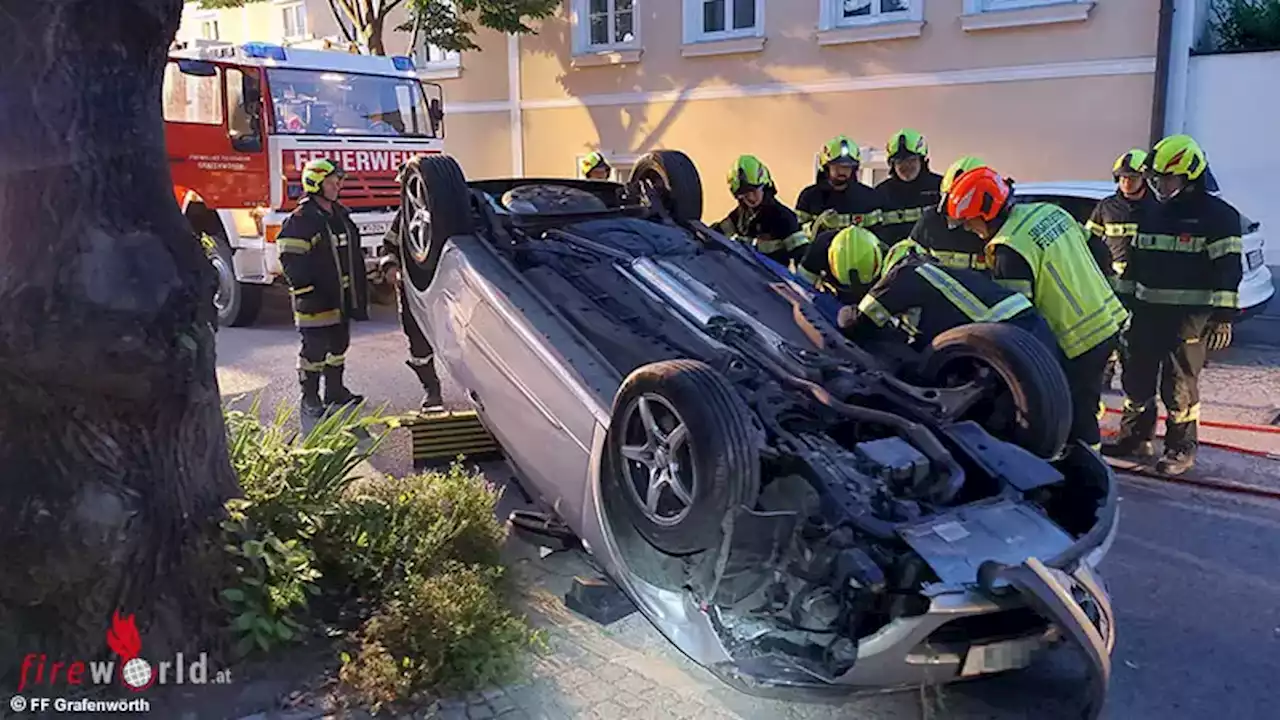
840,148
1178,155
591,161
748,172
906,142
900,251
958,168
855,254
1134,161
314,173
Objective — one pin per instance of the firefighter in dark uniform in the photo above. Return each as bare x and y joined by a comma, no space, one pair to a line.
954,247
1040,250
1115,222
844,263
1184,264
320,254
910,188
595,167
760,220
421,355
837,200
917,299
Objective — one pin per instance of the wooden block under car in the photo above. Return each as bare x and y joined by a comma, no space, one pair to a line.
439,437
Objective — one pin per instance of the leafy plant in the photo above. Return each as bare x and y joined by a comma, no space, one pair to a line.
387,531
448,633
275,578
1246,24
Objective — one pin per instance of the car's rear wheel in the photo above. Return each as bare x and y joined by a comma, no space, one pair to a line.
1030,404
437,204
673,178
681,454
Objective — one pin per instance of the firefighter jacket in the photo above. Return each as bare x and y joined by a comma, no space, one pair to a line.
771,228
954,248
903,203
856,204
1115,222
923,300
1187,253
318,250
1041,251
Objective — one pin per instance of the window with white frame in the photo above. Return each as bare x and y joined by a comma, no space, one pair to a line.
845,13
708,20
209,29
430,56
604,25
977,6
294,21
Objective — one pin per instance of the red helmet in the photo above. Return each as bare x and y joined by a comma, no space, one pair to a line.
977,194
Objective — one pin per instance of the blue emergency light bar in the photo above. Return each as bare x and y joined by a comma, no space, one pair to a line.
402,62
263,50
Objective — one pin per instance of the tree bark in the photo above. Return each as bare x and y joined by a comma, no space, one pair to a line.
375,35
113,461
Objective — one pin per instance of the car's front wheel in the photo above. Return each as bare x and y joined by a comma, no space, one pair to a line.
437,206
1030,402
682,453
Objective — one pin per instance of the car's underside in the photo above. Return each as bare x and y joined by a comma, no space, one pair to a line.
804,496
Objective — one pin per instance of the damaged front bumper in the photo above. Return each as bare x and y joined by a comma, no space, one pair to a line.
1012,584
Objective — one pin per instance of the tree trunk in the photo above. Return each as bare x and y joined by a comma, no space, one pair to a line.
374,35
113,460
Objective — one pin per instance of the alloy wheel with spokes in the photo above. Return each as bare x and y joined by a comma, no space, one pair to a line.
659,470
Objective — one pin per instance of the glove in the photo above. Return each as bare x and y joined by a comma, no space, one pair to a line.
1218,336
847,317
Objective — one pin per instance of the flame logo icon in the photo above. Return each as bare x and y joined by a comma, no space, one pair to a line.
123,639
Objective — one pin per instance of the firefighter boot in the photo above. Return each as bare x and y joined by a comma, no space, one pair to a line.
425,369
1176,462
1130,447
310,382
335,393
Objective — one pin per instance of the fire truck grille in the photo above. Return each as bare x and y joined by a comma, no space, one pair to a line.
360,190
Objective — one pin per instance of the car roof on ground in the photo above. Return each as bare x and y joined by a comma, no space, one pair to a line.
1092,189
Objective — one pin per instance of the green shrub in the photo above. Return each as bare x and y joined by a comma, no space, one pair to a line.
386,531
448,633
1246,24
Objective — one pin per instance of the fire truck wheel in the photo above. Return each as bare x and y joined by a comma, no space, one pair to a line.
438,204
237,303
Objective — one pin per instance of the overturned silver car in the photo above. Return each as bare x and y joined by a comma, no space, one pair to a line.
793,511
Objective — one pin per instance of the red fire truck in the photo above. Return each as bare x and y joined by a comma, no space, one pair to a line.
242,120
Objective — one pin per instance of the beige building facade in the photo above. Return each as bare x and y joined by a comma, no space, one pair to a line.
1042,89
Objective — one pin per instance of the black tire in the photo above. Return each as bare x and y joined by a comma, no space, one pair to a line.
1034,382
237,303
676,178
434,183
718,454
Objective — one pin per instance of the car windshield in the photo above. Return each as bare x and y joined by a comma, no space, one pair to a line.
312,102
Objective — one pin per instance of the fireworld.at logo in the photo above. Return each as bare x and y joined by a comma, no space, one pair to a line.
132,670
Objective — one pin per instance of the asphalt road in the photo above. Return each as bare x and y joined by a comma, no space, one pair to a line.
1195,575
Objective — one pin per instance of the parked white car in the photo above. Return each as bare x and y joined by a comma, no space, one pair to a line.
1079,199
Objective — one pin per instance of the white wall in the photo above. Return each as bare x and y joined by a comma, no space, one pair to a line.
1234,117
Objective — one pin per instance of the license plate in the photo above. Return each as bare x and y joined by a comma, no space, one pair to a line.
1000,656
1254,258
377,228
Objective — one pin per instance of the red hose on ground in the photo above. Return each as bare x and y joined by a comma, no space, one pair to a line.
1211,483
1222,425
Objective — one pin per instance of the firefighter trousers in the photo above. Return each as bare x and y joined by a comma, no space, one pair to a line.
1085,376
420,350
324,347
1165,354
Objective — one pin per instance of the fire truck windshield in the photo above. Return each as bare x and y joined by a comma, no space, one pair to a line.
314,102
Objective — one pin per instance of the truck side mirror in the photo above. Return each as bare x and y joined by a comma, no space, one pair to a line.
197,68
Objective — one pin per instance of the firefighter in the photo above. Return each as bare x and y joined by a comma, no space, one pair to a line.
837,200
1115,222
917,299
319,251
1185,268
843,263
954,247
910,188
1039,250
595,167
759,219
421,355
